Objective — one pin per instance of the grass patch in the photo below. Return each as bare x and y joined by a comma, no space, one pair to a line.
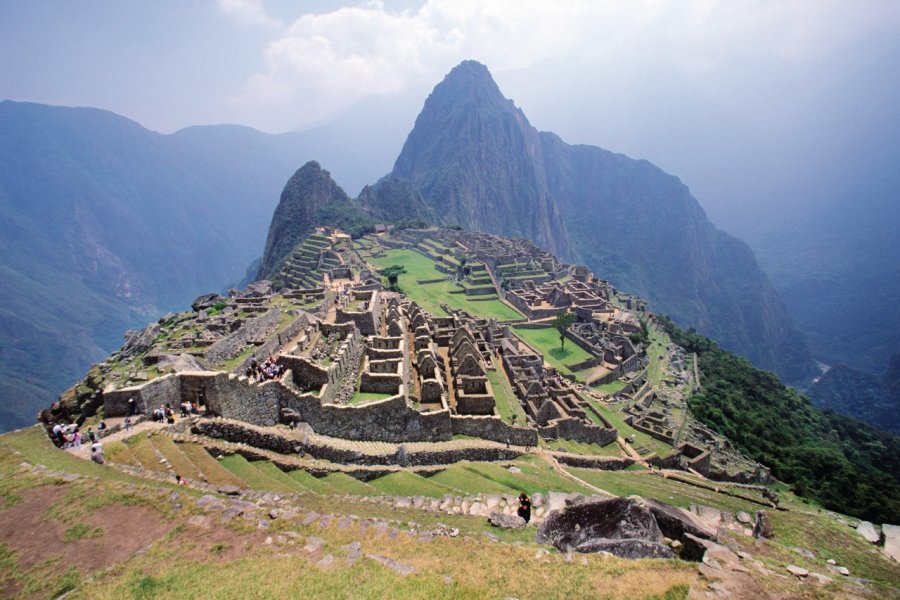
214,473
404,483
363,397
430,295
254,477
533,478
581,447
459,477
546,341
81,531
341,483
181,463
506,402
277,474
624,483
143,450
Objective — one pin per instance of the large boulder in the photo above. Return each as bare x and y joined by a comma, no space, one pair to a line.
628,548
498,519
206,301
137,341
868,532
674,522
589,526
891,541
263,287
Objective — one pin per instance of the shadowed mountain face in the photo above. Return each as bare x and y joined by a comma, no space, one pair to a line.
478,162
106,225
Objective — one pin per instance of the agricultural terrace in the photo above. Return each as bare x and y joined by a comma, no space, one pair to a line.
430,295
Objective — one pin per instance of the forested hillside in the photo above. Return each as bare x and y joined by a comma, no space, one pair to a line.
835,460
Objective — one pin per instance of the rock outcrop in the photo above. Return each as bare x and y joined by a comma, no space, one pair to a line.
626,527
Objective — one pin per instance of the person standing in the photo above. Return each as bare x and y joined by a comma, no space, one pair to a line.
524,507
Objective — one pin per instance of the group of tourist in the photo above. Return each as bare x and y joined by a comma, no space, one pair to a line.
268,370
164,414
70,436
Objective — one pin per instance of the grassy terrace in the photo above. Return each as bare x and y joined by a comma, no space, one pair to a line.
656,352
363,397
430,296
546,341
507,403
581,447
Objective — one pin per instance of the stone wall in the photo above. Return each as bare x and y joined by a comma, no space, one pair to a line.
166,389
493,428
605,463
389,420
579,431
253,329
275,342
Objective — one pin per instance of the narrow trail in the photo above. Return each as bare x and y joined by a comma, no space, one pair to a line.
554,464
85,451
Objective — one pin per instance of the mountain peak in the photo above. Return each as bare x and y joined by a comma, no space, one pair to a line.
309,191
469,82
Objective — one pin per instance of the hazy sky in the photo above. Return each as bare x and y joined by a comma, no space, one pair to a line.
755,105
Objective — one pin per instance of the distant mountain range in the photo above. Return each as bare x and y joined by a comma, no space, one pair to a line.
108,225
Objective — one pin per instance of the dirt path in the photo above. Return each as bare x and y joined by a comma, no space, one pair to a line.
554,464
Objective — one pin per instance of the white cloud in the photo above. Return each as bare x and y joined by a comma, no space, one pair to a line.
250,12
323,62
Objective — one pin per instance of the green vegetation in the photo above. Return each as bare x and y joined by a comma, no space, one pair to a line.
835,460
81,531
392,273
363,397
561,323
405,483
546,341
430,296
581,447
253,476
507,404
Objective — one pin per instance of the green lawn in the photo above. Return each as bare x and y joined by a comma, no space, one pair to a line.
430,295
507,404
363,397
610,388
459,477
546,341
404,483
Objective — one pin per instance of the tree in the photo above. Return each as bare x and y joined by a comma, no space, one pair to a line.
562,322
392,273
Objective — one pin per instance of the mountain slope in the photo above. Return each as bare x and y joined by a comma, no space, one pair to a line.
308,193
479,163
476,160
